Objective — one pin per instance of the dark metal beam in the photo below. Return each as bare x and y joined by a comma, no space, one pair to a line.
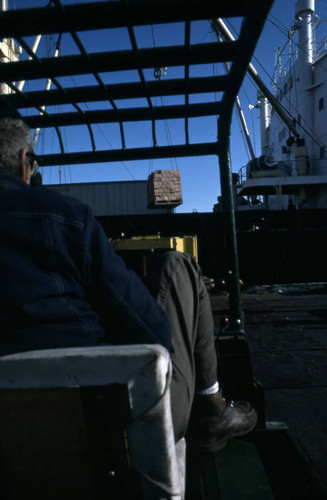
251,30
124,115
117,61
118,91
100,15
113,155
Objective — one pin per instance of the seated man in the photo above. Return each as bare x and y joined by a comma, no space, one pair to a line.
62,285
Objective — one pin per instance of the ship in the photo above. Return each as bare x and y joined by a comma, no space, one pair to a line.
291,171
280,196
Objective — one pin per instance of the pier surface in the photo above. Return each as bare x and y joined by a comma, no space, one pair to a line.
286,328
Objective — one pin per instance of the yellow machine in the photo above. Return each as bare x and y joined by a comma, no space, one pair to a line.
139,250
187,244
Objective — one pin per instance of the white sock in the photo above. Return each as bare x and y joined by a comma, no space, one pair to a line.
210,390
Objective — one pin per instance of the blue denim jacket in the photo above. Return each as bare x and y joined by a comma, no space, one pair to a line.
62,284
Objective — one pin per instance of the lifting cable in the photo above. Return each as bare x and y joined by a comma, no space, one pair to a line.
158,73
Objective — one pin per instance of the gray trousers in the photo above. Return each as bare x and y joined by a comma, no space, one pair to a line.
178,287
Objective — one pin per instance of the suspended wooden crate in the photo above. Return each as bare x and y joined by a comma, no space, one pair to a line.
164,189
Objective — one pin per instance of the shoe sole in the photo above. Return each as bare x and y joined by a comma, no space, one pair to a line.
217,446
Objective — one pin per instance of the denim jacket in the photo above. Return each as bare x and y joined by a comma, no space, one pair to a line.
62,284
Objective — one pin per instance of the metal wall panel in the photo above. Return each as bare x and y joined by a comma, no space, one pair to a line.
111,198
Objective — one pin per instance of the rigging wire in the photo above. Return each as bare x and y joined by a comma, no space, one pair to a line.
82,50
213,38
252,119
296,43
278,24
168,135
281,50
242,121
66,148
57,46
242,134
293,79
103,134
121,162
158,75
305,126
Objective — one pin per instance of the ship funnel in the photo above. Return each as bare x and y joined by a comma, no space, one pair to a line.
304,5
304,10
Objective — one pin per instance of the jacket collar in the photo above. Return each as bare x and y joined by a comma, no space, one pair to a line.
8,180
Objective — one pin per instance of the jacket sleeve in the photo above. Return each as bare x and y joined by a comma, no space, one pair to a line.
126,308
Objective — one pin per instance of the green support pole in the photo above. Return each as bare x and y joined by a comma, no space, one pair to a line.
235,306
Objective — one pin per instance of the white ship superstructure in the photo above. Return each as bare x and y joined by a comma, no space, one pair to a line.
293,164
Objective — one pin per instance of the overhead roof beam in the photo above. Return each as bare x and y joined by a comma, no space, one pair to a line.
128,154
119,91
124,115
100,15
115,61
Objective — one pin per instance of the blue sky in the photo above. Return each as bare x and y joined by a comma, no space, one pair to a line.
200,176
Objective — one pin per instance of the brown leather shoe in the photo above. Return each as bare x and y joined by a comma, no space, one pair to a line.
219,421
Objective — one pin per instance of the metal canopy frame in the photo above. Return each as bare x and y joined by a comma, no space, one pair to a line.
59,18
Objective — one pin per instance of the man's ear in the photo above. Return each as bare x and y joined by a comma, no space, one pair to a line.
25,169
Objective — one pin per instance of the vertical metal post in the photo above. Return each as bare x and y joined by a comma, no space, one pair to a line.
236,318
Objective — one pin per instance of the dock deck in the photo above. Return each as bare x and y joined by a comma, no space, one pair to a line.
286,328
